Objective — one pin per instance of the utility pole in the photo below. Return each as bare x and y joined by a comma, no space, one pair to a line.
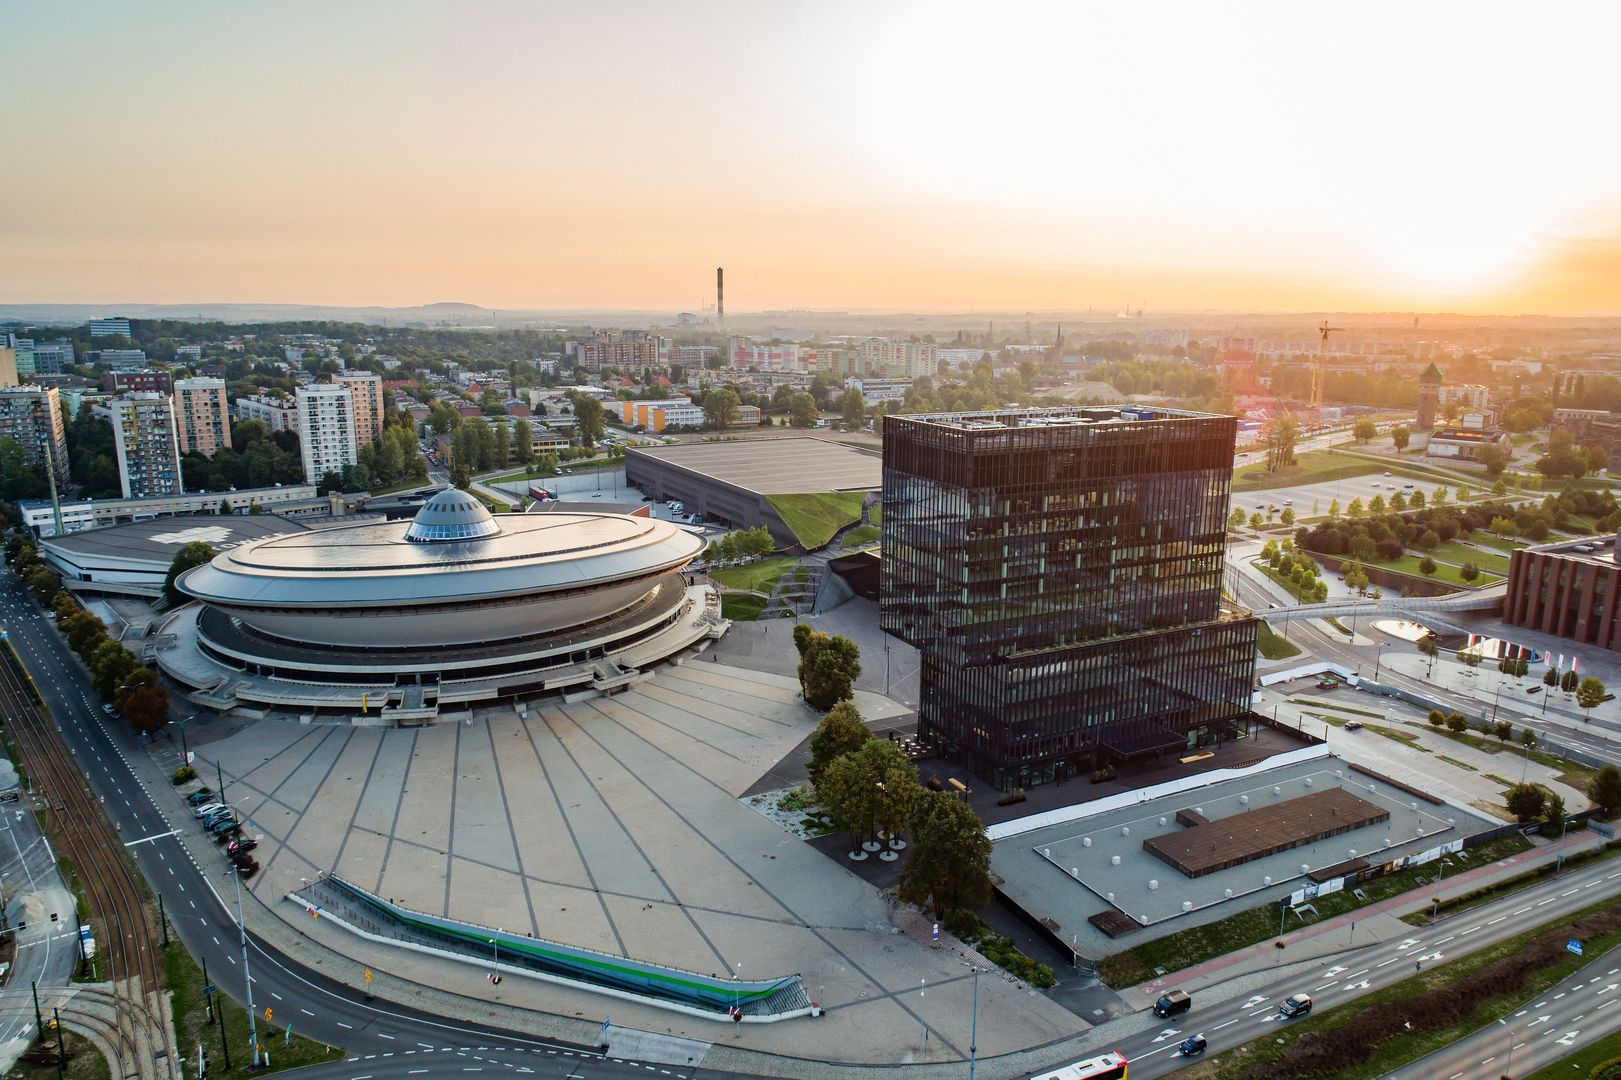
247,980
973,1024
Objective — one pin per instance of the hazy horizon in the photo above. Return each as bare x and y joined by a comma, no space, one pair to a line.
936,158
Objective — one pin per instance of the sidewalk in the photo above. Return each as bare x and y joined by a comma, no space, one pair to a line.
1375,922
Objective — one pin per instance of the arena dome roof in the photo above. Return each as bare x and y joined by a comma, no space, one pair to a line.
451,515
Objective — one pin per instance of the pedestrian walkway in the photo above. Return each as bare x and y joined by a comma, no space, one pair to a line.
1375,922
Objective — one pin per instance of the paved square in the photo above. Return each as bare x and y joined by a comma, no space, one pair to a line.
615,824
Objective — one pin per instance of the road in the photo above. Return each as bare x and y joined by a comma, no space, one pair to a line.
378,1035
1343,977
1570,1015
1556,727
35,896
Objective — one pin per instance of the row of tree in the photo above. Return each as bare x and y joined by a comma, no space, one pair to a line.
114,671
742,544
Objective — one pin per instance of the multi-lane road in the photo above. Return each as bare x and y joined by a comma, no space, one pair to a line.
382,1039
1342,978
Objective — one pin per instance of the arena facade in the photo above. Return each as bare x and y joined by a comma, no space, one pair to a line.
394,622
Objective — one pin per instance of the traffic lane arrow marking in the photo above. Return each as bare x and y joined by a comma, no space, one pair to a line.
1539,1020
1167,1033
1254,1001
1569,1037
1612,986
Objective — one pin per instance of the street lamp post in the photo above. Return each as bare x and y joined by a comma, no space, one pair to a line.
973,1023
253,1033
1378,658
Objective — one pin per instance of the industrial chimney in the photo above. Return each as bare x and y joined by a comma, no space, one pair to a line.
720,294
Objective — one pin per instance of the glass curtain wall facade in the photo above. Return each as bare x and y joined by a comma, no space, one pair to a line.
1060,572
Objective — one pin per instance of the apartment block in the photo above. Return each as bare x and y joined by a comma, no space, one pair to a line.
631,351
32,417
202,417
276,413
148,450
367,391
117,327
326,429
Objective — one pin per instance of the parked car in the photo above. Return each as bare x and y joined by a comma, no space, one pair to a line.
248,869
1327,684
1353,725
1192,1045
223,824
199,797
242,846
229,835
1298,1005
206,808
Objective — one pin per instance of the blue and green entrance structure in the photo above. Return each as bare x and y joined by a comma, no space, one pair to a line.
712,997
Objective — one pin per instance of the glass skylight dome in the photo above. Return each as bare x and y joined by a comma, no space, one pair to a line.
451,515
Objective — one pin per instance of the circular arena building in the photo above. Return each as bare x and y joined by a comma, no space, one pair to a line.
394,621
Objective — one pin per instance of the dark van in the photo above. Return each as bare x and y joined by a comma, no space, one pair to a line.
1172,1003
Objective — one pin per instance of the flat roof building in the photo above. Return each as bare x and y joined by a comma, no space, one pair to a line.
134,559
110,327
202,418
1059,570
275,413
148,450
367,391
326,430
734,481
32,416
1570,589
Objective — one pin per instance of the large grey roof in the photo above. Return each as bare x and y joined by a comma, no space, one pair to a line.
375,563
159,539
777,466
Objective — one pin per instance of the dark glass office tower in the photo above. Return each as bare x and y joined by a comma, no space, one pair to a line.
1060,572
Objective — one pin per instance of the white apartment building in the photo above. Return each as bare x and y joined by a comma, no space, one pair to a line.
876,391
367,391
881,356
326,429
148,451
276,413
119,359
202,417
1469,397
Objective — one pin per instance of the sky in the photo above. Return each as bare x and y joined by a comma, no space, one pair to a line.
933,155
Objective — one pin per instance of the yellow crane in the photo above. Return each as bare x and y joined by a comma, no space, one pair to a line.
1324,330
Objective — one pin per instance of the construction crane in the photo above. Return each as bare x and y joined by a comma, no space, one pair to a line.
1317,368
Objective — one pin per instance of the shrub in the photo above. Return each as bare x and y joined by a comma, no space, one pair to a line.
184,773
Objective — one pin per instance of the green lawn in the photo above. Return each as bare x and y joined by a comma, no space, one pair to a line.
1320,703
1273,645
1408,564
1403,1047
760,577
1490,561
1309,468
191,1024
862,536
1197,944
742,607
876,515
1293,589
814,517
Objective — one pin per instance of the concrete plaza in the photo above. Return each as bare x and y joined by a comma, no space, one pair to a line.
615,824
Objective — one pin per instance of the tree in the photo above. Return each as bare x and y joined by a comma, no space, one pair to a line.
1553,812
1589,695
828,667
146,708
1400,436
1354,508
1236,518
720,409
1426,566
193,554
1288,516
1356,576
588,419
1604,789
1503,730
1431,648
110,666
1528,739
1550,677
1569,681
895,778
802,410
1437,719
1525,801
1469,571
1457,723
1494,459
1334,508
1281,434
842,731
949,866
855,409
850,797
523,442
1364,430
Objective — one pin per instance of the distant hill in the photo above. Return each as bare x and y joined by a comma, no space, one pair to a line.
453,313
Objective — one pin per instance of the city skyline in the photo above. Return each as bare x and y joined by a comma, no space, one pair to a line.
835,156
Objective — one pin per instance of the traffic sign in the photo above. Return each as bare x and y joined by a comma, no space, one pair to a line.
1574,945
210,989
267,1014
368,976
